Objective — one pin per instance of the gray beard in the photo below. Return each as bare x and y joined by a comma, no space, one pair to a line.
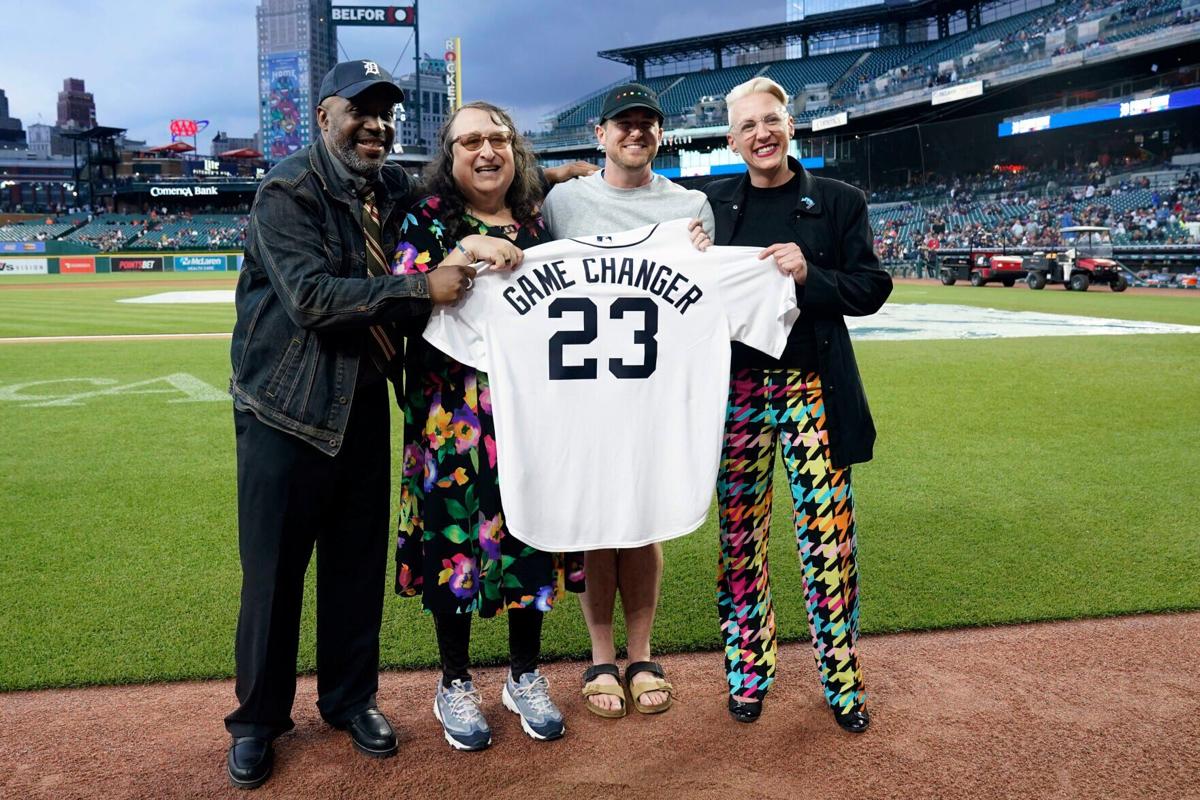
345,152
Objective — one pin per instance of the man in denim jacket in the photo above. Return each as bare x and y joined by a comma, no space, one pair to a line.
314,337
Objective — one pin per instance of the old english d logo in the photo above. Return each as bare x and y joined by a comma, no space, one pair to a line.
370,68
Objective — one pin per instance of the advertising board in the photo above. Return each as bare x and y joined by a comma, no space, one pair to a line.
24,266
144,264
74,265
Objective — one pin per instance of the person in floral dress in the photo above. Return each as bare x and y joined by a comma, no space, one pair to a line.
453,548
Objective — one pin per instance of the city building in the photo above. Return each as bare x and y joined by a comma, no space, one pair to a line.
41,138
297,45
76,106
433,105
223,143
12,135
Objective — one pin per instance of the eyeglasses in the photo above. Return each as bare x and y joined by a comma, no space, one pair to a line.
772,122
472,142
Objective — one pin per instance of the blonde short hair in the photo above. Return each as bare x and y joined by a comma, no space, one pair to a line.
751,86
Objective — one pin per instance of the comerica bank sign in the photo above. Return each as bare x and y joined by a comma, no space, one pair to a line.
183,191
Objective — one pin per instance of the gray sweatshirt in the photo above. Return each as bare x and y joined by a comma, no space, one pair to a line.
584,206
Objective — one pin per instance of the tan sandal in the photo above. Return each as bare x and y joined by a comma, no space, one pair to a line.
636,688
590,689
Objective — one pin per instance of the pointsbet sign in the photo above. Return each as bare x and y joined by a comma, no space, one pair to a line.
149,264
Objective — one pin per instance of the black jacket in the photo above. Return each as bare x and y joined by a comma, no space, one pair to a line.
304,300
830,225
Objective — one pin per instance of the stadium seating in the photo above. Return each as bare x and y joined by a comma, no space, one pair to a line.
797,73
587,111
1127,209
107,236
681,96
956,46
31,232
202,233
678,94
877,63
1022,35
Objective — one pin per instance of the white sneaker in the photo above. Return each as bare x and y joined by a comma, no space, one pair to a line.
457,708
529,698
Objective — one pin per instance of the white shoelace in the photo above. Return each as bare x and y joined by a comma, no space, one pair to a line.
464,702
537,693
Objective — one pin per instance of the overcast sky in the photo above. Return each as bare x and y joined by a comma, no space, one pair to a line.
149,62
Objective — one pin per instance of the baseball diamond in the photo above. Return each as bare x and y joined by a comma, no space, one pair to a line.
638,401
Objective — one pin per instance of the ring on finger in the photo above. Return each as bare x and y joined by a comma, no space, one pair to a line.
470,282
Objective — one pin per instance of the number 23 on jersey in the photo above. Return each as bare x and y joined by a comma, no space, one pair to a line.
587,313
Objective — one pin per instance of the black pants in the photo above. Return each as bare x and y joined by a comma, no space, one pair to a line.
454,643
291,497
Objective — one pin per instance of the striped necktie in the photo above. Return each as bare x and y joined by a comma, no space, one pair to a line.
383,349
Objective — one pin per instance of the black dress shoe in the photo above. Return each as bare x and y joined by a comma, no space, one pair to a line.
853,721
249,762
744,712
372,733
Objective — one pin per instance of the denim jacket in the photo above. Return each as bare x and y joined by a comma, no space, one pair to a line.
304,299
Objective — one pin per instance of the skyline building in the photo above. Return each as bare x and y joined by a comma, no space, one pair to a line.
434,105
12,136
76,106
223,142
297,45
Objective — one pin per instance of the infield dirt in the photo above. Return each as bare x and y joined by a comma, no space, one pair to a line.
1073,710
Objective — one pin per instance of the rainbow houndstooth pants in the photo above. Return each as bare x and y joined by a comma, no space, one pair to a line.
785,405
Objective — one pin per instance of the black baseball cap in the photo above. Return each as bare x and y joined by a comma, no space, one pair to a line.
627,96
351,78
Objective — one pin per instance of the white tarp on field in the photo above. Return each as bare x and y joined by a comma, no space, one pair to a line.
894,321
937,321
208,296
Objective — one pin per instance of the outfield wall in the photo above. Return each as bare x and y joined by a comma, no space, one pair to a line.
34,262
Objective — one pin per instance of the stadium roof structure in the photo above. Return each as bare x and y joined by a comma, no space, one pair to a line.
173,147
241,152
783,33
96,133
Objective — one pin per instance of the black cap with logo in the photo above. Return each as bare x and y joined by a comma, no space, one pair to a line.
627,96
351,78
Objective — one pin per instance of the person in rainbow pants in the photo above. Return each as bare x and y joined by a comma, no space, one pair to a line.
810,401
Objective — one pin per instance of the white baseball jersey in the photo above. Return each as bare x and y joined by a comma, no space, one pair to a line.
609,365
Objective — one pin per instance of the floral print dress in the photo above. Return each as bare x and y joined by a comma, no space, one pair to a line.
452,545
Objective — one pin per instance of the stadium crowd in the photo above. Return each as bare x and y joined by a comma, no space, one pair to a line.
155,230
1015,209
1029,211
1026,37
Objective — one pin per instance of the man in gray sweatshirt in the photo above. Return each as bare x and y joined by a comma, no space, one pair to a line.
626,194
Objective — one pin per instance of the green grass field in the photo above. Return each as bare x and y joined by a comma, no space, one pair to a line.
1014,480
